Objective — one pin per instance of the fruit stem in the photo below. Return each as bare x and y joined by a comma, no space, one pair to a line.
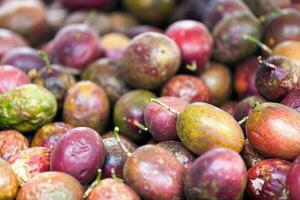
114,176
254,40
173,111
243,120
256,104
93,185
265,63
45,58
117,138
136,123
192,67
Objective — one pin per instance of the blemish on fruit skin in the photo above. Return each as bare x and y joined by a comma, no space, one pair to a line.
257,185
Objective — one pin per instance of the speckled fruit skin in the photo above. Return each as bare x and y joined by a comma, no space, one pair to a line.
274,131
244,77
150,60
83,4
194,41
202,127
11,143
218,78
188,88
28,163
250,156
267,180
49,134
76,46
293,180
229,107
160,122
184,156
10,40
286,26
115,156
86,104
275,83
292,100
129,108
230,47
218,174
27,108
263,7
289,49
8,182
154,173
109,189
11,78
106,73
24,58
51,185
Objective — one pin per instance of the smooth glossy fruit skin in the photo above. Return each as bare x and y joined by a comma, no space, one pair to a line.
11,143
267,180
289,49
150,12
184,156
230,47
244,77
8,182
229,107
49,134
113,45
106,73
286,26
250,156
194,40
136,30
27,108
218,78
273,130
24,58
274,83
86,104
187,88
76,46
293,180
263,7
115,156
51,185
80,153
292,100
130,109
160,122
86,4
218,174
202,127
154,173
9,40
27,18
11,78
109,189
28,163
150,60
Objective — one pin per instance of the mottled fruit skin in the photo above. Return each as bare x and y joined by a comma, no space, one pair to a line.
109,189
8,182
86,104
267,180
218,174
293,180
86,4
11,78
76,46
51,185
263,7
49,134
80,152
292,100
218,78
194,41
106,73
115,156
187,88
27,108
274,83
154,173
160,122
274,131
184,156
250,156
288,49
28,163
229,107
230,47
130,109
202,127
11,143
24,58
150,60
286,26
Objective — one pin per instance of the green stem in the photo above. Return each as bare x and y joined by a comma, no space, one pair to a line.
265,63
114,176
173,111
93,185
254,40
243,120
117,138
192,67
45,58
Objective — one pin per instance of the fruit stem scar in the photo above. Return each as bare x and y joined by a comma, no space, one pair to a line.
117,138
93,185
114,176
243,120
264,63
173,111
256,104
254,40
